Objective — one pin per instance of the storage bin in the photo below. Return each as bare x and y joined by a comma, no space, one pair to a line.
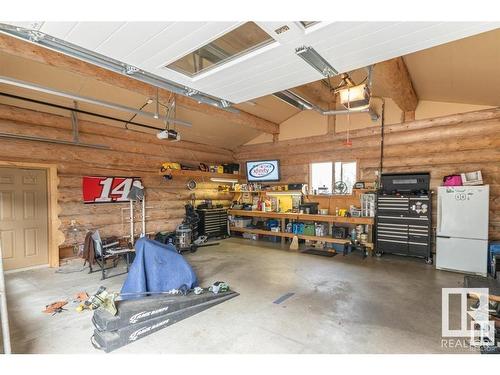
251,236
309,229
242,222
493,249
272,223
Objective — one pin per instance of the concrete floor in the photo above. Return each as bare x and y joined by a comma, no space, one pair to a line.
341,305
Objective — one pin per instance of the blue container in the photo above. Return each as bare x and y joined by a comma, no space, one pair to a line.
494,249
272,223
298,228
339,248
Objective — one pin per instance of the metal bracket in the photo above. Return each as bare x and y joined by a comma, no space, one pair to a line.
130,70
35,36
225,103
190,92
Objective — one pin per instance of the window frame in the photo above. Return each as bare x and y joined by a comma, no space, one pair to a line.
311,189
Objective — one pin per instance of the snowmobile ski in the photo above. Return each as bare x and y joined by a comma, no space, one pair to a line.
133,311
112,340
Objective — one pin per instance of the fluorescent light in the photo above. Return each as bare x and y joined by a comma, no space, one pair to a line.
313,58
355,96
294,100
221,179
296,193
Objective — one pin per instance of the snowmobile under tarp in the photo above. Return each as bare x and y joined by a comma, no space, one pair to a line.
157,268
138,318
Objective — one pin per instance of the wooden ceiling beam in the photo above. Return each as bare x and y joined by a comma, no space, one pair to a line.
20,48
317,93
393,78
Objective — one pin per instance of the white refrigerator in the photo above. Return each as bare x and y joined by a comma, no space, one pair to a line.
462,229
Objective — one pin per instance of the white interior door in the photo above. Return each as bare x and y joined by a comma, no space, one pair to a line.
463,211
23,217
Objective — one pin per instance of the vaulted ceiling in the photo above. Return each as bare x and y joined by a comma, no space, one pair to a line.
151,46
462,71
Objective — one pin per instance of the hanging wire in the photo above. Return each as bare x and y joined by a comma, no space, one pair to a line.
347,141
134,116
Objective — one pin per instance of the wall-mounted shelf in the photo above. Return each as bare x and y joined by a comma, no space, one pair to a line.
200,174
279,192
305,217
289,235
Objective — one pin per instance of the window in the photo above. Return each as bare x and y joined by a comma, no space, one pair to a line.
333,177
244,39
321,178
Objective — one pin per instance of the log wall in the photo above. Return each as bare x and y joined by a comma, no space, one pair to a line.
444,145
131,153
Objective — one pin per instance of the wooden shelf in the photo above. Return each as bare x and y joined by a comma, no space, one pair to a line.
336,219
289,235
305,217
201,174
280,192
272,215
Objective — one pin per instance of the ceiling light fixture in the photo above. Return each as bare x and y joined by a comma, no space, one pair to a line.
313,58
355,97
286,192
221,179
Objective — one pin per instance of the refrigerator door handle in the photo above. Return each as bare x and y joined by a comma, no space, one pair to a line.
440,213
443,236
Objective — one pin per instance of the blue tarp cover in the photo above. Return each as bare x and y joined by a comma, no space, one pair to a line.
158,268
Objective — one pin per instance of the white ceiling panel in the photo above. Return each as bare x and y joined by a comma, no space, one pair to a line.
161,41
129,38
151,46
91,35
58,29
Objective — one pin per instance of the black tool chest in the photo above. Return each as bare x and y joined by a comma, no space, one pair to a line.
213,222
403,223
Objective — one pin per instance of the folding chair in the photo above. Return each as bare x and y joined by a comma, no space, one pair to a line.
109,251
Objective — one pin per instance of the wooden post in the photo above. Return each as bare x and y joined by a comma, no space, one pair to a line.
393,78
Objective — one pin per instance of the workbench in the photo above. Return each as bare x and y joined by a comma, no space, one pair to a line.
331,219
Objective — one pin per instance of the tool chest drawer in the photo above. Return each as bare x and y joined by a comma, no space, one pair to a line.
213,222
392,205
393,245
